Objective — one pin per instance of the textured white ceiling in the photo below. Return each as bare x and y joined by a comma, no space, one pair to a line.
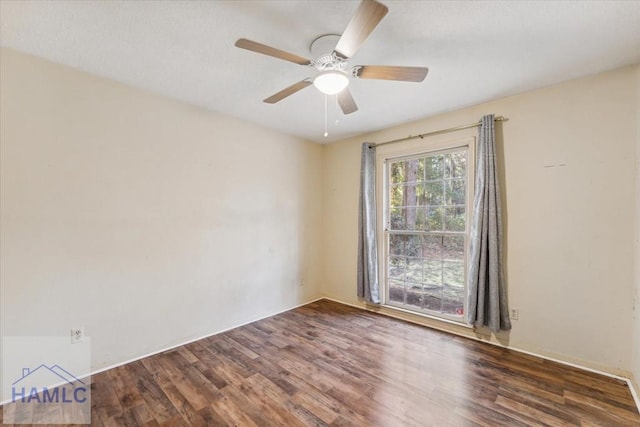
475,50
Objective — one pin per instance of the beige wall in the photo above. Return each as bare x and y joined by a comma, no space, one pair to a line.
147,221
636,330
569,228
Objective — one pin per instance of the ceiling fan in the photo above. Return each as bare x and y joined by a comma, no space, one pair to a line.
333,77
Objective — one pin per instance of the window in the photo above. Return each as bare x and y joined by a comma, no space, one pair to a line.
426,211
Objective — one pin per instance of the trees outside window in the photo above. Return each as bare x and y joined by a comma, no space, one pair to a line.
426,232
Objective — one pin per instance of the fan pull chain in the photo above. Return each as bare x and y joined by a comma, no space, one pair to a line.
336,110
326,132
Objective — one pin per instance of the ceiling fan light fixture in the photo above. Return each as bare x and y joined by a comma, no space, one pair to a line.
331,82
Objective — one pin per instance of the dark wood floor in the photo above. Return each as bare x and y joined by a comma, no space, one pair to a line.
330,364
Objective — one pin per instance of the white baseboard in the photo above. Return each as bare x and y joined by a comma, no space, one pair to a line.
634,386
635,391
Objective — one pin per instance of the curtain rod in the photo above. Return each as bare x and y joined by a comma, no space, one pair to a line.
438,132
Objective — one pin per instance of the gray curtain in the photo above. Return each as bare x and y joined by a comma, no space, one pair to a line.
368,286
487,294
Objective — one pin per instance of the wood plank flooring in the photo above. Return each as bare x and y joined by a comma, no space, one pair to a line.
331,364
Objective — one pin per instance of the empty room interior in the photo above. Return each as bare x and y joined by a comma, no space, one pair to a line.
290,213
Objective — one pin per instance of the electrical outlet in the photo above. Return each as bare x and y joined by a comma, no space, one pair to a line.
514,313
77,335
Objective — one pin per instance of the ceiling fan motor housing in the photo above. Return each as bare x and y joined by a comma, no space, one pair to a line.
330,62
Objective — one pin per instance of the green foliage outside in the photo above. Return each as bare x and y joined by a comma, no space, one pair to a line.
428,194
